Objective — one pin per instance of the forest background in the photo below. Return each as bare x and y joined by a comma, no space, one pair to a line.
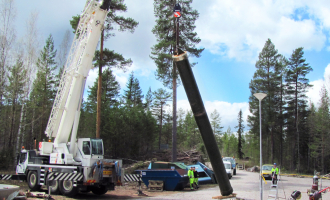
295,130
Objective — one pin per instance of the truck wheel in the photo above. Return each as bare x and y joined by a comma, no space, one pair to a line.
234,172
99,190
33,181
67,189
53,186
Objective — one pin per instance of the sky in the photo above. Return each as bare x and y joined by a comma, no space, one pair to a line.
233,33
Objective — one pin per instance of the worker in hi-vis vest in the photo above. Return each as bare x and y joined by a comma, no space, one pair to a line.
196,178
274,173
191,177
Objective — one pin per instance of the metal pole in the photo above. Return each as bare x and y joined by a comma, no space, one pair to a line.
260,96
260,151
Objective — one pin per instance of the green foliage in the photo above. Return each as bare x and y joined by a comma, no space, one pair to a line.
112,59
240,131
216,126
229,148
161,96
291,129
44,88
133,94
149,99
164,31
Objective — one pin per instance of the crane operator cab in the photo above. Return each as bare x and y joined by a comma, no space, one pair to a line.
89,149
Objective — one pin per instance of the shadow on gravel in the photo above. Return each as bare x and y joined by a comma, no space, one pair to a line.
105,196
240,174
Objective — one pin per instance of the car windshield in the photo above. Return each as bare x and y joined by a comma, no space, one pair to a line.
227,166
229,160
266,167
97,146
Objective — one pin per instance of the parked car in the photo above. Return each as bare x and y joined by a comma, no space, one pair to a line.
233,163
228,168
267,171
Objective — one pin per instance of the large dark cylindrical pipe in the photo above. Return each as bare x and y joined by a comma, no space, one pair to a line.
202,120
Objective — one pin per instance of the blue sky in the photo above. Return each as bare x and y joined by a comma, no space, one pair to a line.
232,33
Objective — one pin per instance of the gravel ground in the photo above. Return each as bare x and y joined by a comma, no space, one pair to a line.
246,186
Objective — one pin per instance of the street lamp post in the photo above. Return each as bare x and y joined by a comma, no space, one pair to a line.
260,96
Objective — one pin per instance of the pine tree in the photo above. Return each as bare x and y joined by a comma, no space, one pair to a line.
313,143
107,57
216,125
296,99
266,79
110,95
162,52
133,95
44,90
161,97
14,95
149,98
240,131
323,128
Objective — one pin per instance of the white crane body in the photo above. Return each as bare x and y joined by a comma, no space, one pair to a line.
68,166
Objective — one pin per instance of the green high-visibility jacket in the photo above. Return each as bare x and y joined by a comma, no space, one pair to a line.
190,173
275,170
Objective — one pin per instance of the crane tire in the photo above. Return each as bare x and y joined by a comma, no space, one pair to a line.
66,188
53,186
32,181
99,190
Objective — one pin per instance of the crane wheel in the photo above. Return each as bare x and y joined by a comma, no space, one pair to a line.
99,190
53,186
33,181
66,188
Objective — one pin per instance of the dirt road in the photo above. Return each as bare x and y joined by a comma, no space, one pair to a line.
246,185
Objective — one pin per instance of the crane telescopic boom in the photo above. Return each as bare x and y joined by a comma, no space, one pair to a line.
66,108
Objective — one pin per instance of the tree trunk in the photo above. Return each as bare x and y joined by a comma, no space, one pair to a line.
161,124
18,142
99,91
174,150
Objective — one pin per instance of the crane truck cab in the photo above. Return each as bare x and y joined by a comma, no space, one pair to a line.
91,172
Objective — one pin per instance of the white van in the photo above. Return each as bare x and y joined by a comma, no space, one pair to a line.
228,168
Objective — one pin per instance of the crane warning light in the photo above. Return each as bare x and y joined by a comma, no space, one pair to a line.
177,10
177,14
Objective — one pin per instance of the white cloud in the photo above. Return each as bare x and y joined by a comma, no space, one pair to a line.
137,46
228,111
92,75
313,93
327,76
239,29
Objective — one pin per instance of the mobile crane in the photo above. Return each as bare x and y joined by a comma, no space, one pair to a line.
78,165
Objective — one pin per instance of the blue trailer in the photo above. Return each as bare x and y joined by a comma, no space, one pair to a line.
174,179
